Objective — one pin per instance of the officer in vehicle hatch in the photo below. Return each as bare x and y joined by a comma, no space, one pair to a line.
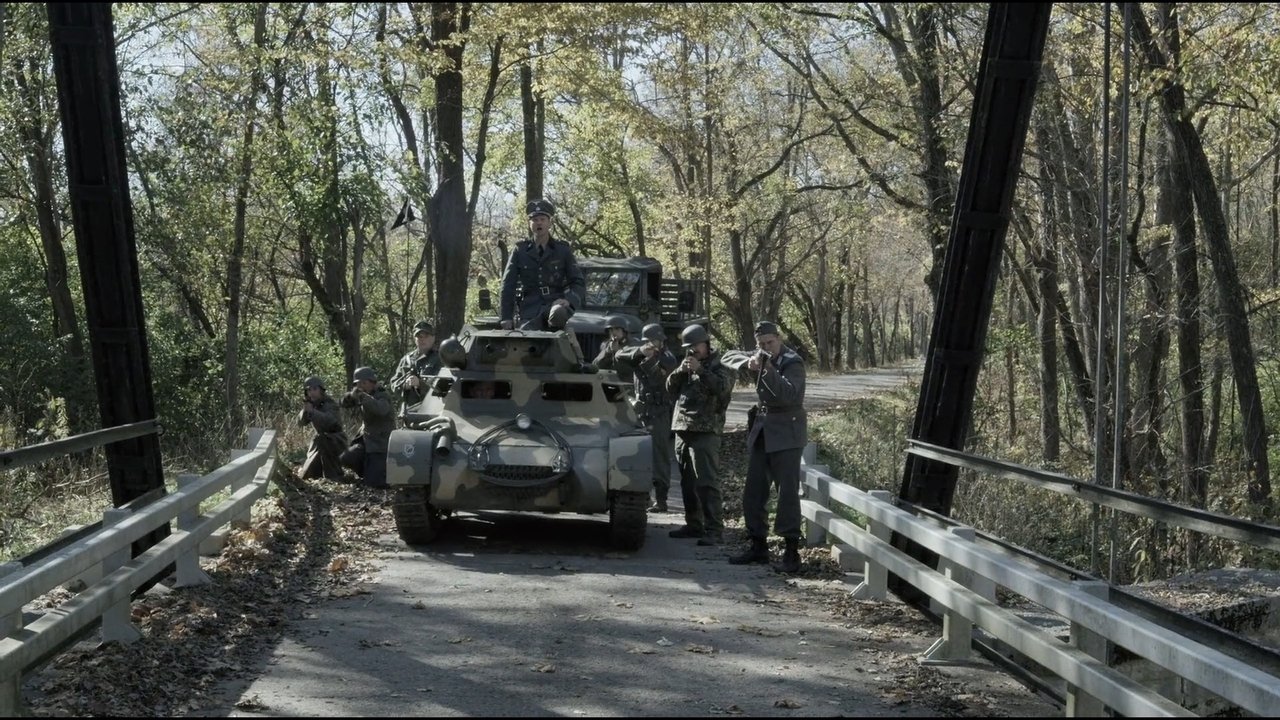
418,366
777,430
542,284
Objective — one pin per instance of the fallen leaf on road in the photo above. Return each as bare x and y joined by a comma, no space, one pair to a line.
455,641
543,668
788,703
378,643
251,703
641,651
419,605
626,605
704,620
703,649
585,617
731,710
665,642
339,564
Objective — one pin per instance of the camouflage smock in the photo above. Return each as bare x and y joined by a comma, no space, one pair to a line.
701,398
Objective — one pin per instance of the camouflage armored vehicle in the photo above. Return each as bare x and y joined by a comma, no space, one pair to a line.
517,421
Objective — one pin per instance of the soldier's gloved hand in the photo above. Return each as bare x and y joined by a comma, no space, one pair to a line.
692,365
414,381
649,350
754,363
508,324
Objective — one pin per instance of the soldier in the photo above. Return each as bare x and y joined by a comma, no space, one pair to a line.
321,412
619,338
417,366
701,387
367,455
653,363
776,436
542,278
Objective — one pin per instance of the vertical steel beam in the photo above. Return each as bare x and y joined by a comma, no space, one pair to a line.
1007,76
84,64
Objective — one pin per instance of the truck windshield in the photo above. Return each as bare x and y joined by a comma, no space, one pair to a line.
612,288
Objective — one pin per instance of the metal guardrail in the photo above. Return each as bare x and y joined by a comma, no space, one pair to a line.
1211,523
11,459
104,558
965,587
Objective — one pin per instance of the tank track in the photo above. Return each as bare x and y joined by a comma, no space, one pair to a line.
417,522
628,519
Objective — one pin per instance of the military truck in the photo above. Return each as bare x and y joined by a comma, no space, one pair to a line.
634,286
630,287
517,421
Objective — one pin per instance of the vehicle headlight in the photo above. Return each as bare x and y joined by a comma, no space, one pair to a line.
478,457
524,422
562,462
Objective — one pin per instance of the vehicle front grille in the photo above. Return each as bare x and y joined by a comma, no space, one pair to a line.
590,344
520,475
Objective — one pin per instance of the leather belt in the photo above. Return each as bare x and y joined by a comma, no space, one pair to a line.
765,409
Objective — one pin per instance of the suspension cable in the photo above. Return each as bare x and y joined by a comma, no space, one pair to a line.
1099,365
1122,269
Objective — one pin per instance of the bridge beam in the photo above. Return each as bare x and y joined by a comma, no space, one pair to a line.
84,64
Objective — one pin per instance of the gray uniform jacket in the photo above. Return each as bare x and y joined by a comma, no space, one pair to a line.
379,419
323,416
415,363
781,419
533,279
701,398
651,379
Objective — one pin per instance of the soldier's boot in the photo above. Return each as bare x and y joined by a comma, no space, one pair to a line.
684,531
711,539
757,552
791,557
659,504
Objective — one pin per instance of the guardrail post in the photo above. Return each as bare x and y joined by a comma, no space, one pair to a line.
242,520
1080,703
953,648
11,687
117,624
875,577
816,490
188,564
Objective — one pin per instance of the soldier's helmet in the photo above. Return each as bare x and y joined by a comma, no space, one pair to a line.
653,332
693,335
453,353
313,381
615,321
364,373
541,206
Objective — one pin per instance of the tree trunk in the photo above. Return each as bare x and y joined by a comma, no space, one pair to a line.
1190,150
1046,264
531,108
235,260
450,221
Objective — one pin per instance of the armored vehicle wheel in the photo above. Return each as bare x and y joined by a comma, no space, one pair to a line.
628,519
417,522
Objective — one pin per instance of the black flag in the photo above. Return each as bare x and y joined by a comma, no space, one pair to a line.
406,215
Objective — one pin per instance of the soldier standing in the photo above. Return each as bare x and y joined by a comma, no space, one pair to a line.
321,412
411,376
653,364
701,386
542,279
776,436
367,455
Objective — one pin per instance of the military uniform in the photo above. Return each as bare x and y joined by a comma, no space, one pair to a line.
654,404
535,278
419,364
775,440
329,442
368,452
701,399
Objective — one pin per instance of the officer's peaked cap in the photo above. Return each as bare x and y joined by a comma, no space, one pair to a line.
541,206
424,327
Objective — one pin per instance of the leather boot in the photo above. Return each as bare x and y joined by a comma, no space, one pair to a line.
757,552
791,557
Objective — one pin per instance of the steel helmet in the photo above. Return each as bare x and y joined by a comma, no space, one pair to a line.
654,332
364,373
313,381
693,335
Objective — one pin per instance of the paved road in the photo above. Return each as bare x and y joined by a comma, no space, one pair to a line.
532,615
